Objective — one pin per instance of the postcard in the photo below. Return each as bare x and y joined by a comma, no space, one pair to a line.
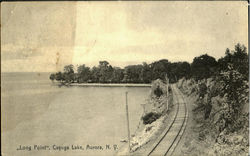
95,78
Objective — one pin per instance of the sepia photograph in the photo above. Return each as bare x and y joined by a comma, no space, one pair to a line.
124,78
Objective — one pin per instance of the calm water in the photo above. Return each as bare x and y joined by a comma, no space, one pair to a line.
35,112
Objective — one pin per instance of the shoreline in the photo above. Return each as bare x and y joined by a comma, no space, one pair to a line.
108,85
146,135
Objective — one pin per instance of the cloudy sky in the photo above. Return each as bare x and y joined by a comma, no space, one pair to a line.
45,36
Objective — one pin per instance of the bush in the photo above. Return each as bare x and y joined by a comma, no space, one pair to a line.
150,117
158,92
235,90
202,89
193,90
158,88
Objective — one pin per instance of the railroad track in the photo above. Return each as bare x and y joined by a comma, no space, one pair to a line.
172,135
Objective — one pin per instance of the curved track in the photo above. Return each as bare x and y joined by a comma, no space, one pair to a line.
167,144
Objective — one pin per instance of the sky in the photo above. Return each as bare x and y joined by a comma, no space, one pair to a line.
45,36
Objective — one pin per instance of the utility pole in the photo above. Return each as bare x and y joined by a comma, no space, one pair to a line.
127,121
167,80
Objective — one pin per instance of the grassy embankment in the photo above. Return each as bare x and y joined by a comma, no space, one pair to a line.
212,130
156,113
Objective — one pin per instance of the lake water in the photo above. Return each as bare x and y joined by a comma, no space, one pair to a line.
36,112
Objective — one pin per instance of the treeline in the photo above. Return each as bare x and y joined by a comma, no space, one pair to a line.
204,66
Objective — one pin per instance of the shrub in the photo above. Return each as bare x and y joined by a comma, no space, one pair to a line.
202,89
150,117
158,88
193,90
235,90
158,92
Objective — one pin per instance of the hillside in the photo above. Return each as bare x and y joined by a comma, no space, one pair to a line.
219,122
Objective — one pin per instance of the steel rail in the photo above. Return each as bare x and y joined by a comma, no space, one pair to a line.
171,125
178,134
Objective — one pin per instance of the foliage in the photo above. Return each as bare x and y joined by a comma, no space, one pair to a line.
158,88
203,67
52,77
118,75
202,90
69,69
235,90
179,70
237,58
150,117
159,69
105,72
141,73
221,112
83,73
59,76
158,92
146,74
132,74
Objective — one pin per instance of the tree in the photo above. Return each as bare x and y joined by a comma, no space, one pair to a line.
240,61
106,71
69,69
237,58
146,74
69,73
95,74
203,66
132,74
160,69
52,77
223,62
178,70
59,76
117,75
83,73
184,70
